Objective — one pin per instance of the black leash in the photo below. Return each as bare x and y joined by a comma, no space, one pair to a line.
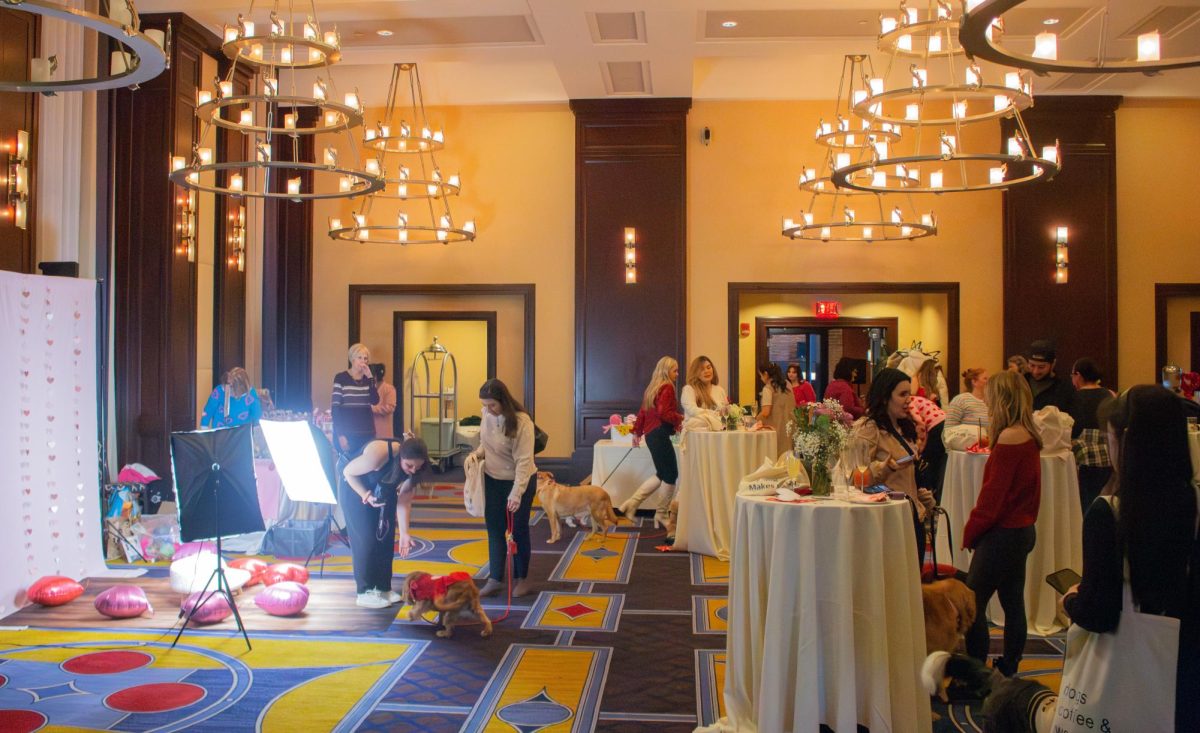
610,473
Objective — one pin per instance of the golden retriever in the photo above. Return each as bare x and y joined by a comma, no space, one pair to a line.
949,612
565,501
448,595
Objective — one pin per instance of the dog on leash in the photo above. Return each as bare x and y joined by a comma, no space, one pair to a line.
449,595
567,501
949,611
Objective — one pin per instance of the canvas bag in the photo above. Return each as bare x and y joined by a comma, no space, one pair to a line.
1123,680
473,485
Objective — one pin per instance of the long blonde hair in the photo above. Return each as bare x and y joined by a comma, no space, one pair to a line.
237,382
703,391
927,377
660,377
1010,402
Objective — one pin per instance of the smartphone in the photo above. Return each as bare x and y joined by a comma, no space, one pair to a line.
1062,580
876,489
905,460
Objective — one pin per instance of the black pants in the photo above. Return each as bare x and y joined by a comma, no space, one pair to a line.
1092,480
372,536
998,566
495,509
658,441
934,458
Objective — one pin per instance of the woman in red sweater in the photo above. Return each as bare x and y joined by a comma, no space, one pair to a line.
1000,528
657,421
802,390
842,390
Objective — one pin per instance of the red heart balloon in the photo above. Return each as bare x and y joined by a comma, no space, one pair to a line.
252,565
271,576
54,590
291,571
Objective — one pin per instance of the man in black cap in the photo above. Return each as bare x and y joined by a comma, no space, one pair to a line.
1048,388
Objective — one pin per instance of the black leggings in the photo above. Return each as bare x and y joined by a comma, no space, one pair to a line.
998,566
658,441
495,509
372,536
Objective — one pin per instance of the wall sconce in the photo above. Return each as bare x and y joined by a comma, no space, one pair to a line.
237,239
1060,255
185,225
16,180
630,256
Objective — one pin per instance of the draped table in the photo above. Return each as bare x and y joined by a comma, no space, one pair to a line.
1059,527
621,469
710,467
825,619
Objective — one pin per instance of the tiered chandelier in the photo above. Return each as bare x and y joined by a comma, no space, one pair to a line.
142,55
283,46
847,139
982,35
405,145
936,159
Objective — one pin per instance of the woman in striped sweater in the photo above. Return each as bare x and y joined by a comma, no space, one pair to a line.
354,392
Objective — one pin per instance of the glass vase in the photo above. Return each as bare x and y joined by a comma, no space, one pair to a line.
820,478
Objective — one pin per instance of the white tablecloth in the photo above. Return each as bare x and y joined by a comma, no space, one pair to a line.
1194,446
711,466
1059,530
825,619
622,469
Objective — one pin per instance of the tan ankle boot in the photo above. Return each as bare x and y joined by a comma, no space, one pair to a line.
523,588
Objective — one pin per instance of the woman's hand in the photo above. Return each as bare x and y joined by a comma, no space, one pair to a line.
405,544
370,500
637,440
514,502
343,443
925,496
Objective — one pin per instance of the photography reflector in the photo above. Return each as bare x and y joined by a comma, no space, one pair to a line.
296,459
215,502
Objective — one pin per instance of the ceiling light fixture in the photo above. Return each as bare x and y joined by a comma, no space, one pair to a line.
277,116
729,24
934,157
1050,21
982,35
384,32
411,174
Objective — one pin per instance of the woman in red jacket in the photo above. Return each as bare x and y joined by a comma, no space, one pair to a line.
1000,528
802,390
842,390
657,421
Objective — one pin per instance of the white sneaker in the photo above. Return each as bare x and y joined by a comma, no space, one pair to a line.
392,596
372,599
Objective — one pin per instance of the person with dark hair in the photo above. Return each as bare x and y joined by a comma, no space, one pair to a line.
777,405
506,446
892,437
1047,387
657,421
1017,363
841,387
382,410
379,485
1000,528
1143,533
354,392
1088,442
802,389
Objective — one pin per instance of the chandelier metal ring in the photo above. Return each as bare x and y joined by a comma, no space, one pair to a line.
973,35
947,94
422,186
403,143
849,139
363,183
243,49
825,185
355,234
889,41
349,117
146,58
856,231
1024,169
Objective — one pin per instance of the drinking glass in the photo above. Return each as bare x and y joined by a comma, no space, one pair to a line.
792,462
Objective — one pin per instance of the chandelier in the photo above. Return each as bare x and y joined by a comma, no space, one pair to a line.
982,35
405,146
142,55
847,138
276,118
936,158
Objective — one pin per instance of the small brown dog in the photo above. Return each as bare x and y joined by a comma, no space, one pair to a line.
449,595
949,612
566,501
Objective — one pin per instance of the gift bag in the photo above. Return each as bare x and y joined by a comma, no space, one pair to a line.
473,485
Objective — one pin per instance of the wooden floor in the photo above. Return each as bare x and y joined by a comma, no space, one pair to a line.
330,608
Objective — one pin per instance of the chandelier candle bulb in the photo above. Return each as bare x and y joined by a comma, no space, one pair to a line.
345,184
1060,254
825,233
230,34
319,90
1060,235
904,43
995,175
352,100
246,118
972,76
910,15
293,186
247,28
402,220
935,179
849,213
331,119
912,112
372,166
310,31
1060,274
631,275
879,179
876,84
630,236
858,96
224,89
331,39
270,87
959,110
850,139
470,226
1045,46
867,233
943,10
205,155
278,27
236,182
920,78
897,215
1012,80
842,160
949,144
808,218
439,136
177,162
905,231
927,219
334,223
999,102
1014,146
887,24
285,55
455,181
203,96
630,256
1050,153
402,190
1148,47
256,52
289,121
935,44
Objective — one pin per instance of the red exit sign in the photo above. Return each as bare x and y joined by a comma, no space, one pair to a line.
827,309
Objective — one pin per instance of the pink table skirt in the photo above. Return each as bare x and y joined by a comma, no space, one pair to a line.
269,487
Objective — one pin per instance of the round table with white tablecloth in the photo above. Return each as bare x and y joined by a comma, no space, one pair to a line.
620,469
825,618
1059,527
711,464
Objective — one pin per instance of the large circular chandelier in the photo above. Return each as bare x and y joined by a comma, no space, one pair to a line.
142,56
278,116
849,139
982,35
935,91
405,146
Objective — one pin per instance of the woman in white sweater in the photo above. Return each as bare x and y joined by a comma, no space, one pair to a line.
703,391
506,446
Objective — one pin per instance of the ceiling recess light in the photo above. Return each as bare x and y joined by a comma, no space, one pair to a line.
384,32
1050,21
729,24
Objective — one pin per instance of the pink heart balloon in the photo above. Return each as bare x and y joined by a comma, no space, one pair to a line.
123,601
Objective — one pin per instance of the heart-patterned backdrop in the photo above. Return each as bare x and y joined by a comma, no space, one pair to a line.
49,486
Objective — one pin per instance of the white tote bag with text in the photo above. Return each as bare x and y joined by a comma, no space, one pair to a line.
473,485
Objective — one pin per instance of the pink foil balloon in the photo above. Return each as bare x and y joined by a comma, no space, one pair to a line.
123,601
188,549
286,598
215,607
54,590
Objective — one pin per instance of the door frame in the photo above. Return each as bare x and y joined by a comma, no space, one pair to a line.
1162,293
398,319
762,323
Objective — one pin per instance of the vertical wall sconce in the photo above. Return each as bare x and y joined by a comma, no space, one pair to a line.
16,180
1060,255
630,256
185,225
237,239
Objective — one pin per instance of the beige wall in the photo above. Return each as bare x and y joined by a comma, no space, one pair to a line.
1158,221
467,343
517,164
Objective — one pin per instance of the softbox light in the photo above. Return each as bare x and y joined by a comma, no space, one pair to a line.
214,483
297,460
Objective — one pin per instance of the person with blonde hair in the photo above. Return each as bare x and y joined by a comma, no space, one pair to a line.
657,421
233,402
1001,527
354,392
930,383
703,390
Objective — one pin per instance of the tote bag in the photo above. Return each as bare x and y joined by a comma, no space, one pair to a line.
1123,680
473,485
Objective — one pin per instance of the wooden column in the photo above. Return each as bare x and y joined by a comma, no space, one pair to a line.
18,111
630,171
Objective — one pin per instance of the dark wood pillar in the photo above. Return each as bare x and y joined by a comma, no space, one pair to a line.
18,111
1080,316
630,171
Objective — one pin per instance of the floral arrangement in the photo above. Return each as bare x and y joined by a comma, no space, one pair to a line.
733,416
818,431
619,426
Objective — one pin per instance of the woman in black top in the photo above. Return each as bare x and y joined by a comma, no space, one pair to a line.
1154,529
1087,435
354,392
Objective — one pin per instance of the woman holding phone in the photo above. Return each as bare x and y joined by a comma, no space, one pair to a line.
891,437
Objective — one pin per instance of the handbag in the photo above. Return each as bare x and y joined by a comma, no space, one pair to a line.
1125,678
473,485
540,438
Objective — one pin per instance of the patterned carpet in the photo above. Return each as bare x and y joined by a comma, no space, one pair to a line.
618,637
